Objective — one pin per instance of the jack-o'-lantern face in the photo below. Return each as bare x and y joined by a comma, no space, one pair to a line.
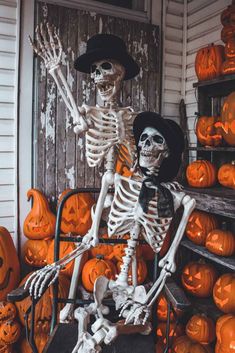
198,278
207,133
9,264
7,311
208,62
10,332
199,225
201,328
226,175
175,331
227,123
76,214
95,268
201,174
40,222
223,293
225,333
35,252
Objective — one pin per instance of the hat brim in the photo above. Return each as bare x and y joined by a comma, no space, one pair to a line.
174,138
83,62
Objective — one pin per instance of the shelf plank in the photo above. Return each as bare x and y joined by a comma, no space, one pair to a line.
217,200
212,149
228,262
176,296
218,80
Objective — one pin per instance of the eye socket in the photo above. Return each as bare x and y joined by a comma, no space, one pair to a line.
106,65
143,137
93,68
158,139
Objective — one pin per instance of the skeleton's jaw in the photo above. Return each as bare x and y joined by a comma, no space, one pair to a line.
108,92
150,159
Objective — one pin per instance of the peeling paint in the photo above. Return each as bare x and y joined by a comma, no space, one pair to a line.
82,47
100,25
80,143
70,78
70,175
68,124
44,10
43,116
63,58
141,72
50,117
93,14
42,70
86,91
142,98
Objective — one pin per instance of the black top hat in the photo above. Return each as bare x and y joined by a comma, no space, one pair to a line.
173,135
106,46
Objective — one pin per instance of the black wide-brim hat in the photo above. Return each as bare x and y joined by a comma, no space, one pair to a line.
106,46
173,135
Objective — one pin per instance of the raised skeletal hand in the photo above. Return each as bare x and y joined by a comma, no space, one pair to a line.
48,46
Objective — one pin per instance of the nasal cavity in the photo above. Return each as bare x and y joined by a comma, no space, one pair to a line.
97,72
147,143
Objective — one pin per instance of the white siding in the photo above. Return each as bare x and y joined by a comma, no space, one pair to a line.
203,28
173,27
9,22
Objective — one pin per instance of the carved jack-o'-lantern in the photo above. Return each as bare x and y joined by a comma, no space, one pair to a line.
10,332
201,174
40,222
123,161
5,348
43,309
221,242
228,67
208,62
40,341
76,214
199,225
227,120
9,264
7,311
227,17
142,271
207,133
226,175
105,250
183,344
95,268
175,330
227,33
198,278
162,309
35,252
223,293
201,328
225,333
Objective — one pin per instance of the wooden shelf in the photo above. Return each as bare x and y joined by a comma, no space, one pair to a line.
217,200
228,262
216,81
206,306
212,149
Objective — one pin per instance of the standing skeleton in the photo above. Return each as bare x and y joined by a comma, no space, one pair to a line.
131,208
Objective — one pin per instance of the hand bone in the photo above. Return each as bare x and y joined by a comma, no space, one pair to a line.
39,279
48,46
135,313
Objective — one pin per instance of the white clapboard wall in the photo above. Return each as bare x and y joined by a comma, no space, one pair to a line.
8,114
172,66
203,28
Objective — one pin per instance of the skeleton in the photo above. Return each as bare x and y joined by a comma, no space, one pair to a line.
106,129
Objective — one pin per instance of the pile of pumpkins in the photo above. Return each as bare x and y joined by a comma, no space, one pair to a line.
215,60
203,174
203,229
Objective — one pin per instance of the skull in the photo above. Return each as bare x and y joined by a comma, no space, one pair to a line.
108,76
152,148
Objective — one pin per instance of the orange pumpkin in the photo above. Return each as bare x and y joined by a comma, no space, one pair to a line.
223,293
230,49
227,120
40,341
201,328
208,62
123,161
226,175
225,333
228,67
183,344
7,311
201,174
199,225
35,252
105,250
119,250
76,214
95,268
207,133
221,242
43,310
10,332
198,278
66,247
162,309
142,271
9,264
5,348
40,222
227,17
227,33
174,330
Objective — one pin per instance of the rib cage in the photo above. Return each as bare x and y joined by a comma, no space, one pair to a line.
126,212
108,128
